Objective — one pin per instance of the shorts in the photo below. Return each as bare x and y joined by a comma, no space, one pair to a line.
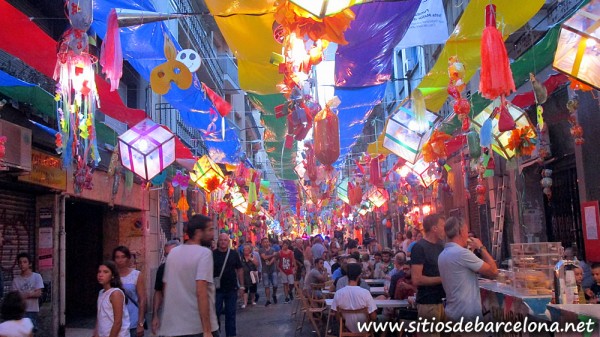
430,311
270,279
287,279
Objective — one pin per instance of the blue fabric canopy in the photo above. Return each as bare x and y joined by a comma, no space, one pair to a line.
357,104
143,48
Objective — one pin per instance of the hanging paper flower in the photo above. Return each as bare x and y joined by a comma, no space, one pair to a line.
522,141
435,147
212,184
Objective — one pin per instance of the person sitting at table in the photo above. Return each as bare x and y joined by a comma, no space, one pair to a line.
353,297
344,280
317,275
373,264
385,266
338,272
374,246
401,286
366,267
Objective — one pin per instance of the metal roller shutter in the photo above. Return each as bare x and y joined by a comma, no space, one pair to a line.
17,225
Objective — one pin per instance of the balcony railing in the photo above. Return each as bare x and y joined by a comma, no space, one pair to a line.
166,115
229,68
198,35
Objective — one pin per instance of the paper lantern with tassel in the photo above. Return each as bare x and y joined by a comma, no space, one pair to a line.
496,75
326,133
206,174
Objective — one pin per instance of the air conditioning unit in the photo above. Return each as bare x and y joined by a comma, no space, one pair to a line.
18,146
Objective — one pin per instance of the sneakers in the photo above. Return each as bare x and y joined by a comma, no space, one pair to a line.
274,299
256,296
243,306
253,303
268,303
287,300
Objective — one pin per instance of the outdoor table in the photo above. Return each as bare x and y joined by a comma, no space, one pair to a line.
375,291
375,281
379,303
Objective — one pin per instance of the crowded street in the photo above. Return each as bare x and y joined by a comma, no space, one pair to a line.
328,168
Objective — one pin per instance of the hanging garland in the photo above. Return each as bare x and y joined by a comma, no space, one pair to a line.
522,141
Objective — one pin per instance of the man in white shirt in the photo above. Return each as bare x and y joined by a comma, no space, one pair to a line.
459,268
189,304
353,297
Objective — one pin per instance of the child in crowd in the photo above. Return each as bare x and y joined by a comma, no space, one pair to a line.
13,312
578,271
113,317
593,293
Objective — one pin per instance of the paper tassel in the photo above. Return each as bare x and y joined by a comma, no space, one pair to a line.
111,55
182,204
419,109
496,75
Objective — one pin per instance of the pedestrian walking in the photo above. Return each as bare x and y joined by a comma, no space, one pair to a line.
269,270
230,273
112,319
287,270
159,294
250,265
134,289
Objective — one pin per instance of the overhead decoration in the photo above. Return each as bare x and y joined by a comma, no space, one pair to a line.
577,51
429,26
206,174
404,136
367,58
465,43
498,140
169,72
222,106
435,148
76,88
461,106
190,59
147,149
326,134
546,182
522,141
576,129
422,171
296,17
378,196
496,77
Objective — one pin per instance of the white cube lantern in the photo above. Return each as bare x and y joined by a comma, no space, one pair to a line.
147,149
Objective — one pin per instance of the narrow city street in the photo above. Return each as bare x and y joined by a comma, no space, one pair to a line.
253,321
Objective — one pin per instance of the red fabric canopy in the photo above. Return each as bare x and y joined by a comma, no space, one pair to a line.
22,38
553,82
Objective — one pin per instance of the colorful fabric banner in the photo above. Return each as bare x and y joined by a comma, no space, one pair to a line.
429,26
22,91
247,26
367,58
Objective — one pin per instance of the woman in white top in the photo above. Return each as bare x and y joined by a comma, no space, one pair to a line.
134,289
113,318
13,312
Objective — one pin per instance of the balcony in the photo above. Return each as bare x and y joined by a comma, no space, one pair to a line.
230,70
166,115
200,39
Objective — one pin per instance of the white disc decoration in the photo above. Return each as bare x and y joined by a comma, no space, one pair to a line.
190,58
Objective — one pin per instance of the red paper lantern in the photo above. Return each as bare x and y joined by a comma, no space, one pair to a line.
326,136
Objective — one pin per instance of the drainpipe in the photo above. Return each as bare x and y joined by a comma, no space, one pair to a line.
62,245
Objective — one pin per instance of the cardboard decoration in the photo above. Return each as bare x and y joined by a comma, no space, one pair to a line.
190,58
169,72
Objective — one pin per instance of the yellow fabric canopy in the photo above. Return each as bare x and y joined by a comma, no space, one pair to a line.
465,42
247,26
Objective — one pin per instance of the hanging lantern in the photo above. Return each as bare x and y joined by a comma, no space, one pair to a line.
238,201
421,169
378,196
404,136
147,149
342,191
500,140
326,133
207,174
578,45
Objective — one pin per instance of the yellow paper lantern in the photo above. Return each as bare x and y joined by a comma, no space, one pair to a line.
147,149
377,196
577,53
206,174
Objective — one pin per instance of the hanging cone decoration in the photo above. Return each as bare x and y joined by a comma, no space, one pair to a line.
496,76
505,120
182,204
222,106
111,55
